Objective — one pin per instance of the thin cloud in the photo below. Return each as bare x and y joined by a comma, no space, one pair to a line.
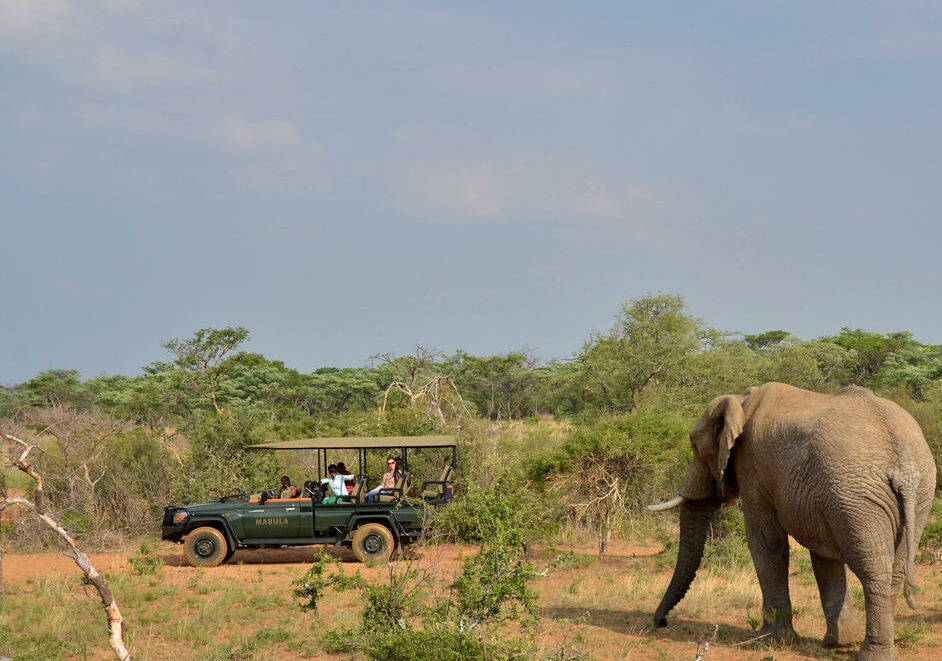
543,82
122,5
122,70
17,15
916,45
130,121
505,187
241,135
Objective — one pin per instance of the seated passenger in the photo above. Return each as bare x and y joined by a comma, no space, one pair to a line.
388,483
335,481
342,470
288,490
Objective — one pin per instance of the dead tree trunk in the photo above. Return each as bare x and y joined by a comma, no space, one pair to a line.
115,619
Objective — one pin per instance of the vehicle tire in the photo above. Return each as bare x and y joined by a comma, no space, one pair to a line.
373,541
205,547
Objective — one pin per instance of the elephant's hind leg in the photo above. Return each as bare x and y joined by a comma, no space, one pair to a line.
880,596
843,625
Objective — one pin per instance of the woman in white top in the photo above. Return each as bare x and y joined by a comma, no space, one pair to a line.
335,481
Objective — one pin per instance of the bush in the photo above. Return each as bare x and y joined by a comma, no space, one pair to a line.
428,645
145,563
220,461
931,542
494,490
471,515
650,448
606,471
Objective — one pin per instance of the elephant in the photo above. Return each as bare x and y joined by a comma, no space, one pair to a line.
848,475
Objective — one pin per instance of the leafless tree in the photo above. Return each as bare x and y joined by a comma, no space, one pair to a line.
75,463
598,496
438,394
115,619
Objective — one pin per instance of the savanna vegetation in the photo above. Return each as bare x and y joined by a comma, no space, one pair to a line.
551,453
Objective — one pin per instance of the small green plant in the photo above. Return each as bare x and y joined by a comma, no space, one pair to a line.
316,580
570,648
563,560
911,633
342,640
145,564
753,621
436,644
492,585
196,578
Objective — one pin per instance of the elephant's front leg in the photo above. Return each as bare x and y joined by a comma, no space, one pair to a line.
768,544
843,625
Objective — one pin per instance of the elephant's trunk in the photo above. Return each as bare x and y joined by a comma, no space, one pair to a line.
695,519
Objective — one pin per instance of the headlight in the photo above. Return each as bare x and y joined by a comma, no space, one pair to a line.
180,516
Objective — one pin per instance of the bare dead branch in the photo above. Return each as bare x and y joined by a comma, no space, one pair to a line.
115,619
706,646
437,394
23,465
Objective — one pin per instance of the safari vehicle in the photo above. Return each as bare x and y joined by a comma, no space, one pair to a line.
211,532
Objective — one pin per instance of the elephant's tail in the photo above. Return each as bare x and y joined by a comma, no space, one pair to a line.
903,482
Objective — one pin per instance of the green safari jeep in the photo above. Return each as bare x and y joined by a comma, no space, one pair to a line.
211,532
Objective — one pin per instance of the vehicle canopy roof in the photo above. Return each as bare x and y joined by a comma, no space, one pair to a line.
360,443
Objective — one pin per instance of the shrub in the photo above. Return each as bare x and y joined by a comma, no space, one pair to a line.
648,449
145,563
220,461
606,471
440,644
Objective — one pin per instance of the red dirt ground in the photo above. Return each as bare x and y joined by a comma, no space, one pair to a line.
602,608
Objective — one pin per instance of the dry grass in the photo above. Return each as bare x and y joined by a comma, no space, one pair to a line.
594,609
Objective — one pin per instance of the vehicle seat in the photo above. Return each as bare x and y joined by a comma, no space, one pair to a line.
355,496
398,491
441,489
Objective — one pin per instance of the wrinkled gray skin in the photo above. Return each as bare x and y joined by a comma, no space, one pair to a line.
849,476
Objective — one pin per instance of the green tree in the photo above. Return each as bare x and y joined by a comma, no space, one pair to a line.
558,388
872,350
11,399
219,461
55,387
766,339
200,358
724,366
650,341
915,366
333,390
499,386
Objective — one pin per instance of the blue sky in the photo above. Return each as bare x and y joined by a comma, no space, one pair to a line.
350,178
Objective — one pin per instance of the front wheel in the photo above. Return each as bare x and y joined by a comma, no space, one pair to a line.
205,547
373,541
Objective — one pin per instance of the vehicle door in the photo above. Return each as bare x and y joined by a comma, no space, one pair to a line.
332,518
277,518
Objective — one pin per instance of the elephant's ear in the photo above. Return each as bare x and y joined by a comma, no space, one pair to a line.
730,419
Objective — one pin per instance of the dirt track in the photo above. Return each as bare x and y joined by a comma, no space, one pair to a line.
606,605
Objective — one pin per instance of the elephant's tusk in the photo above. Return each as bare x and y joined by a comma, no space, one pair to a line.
669,505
